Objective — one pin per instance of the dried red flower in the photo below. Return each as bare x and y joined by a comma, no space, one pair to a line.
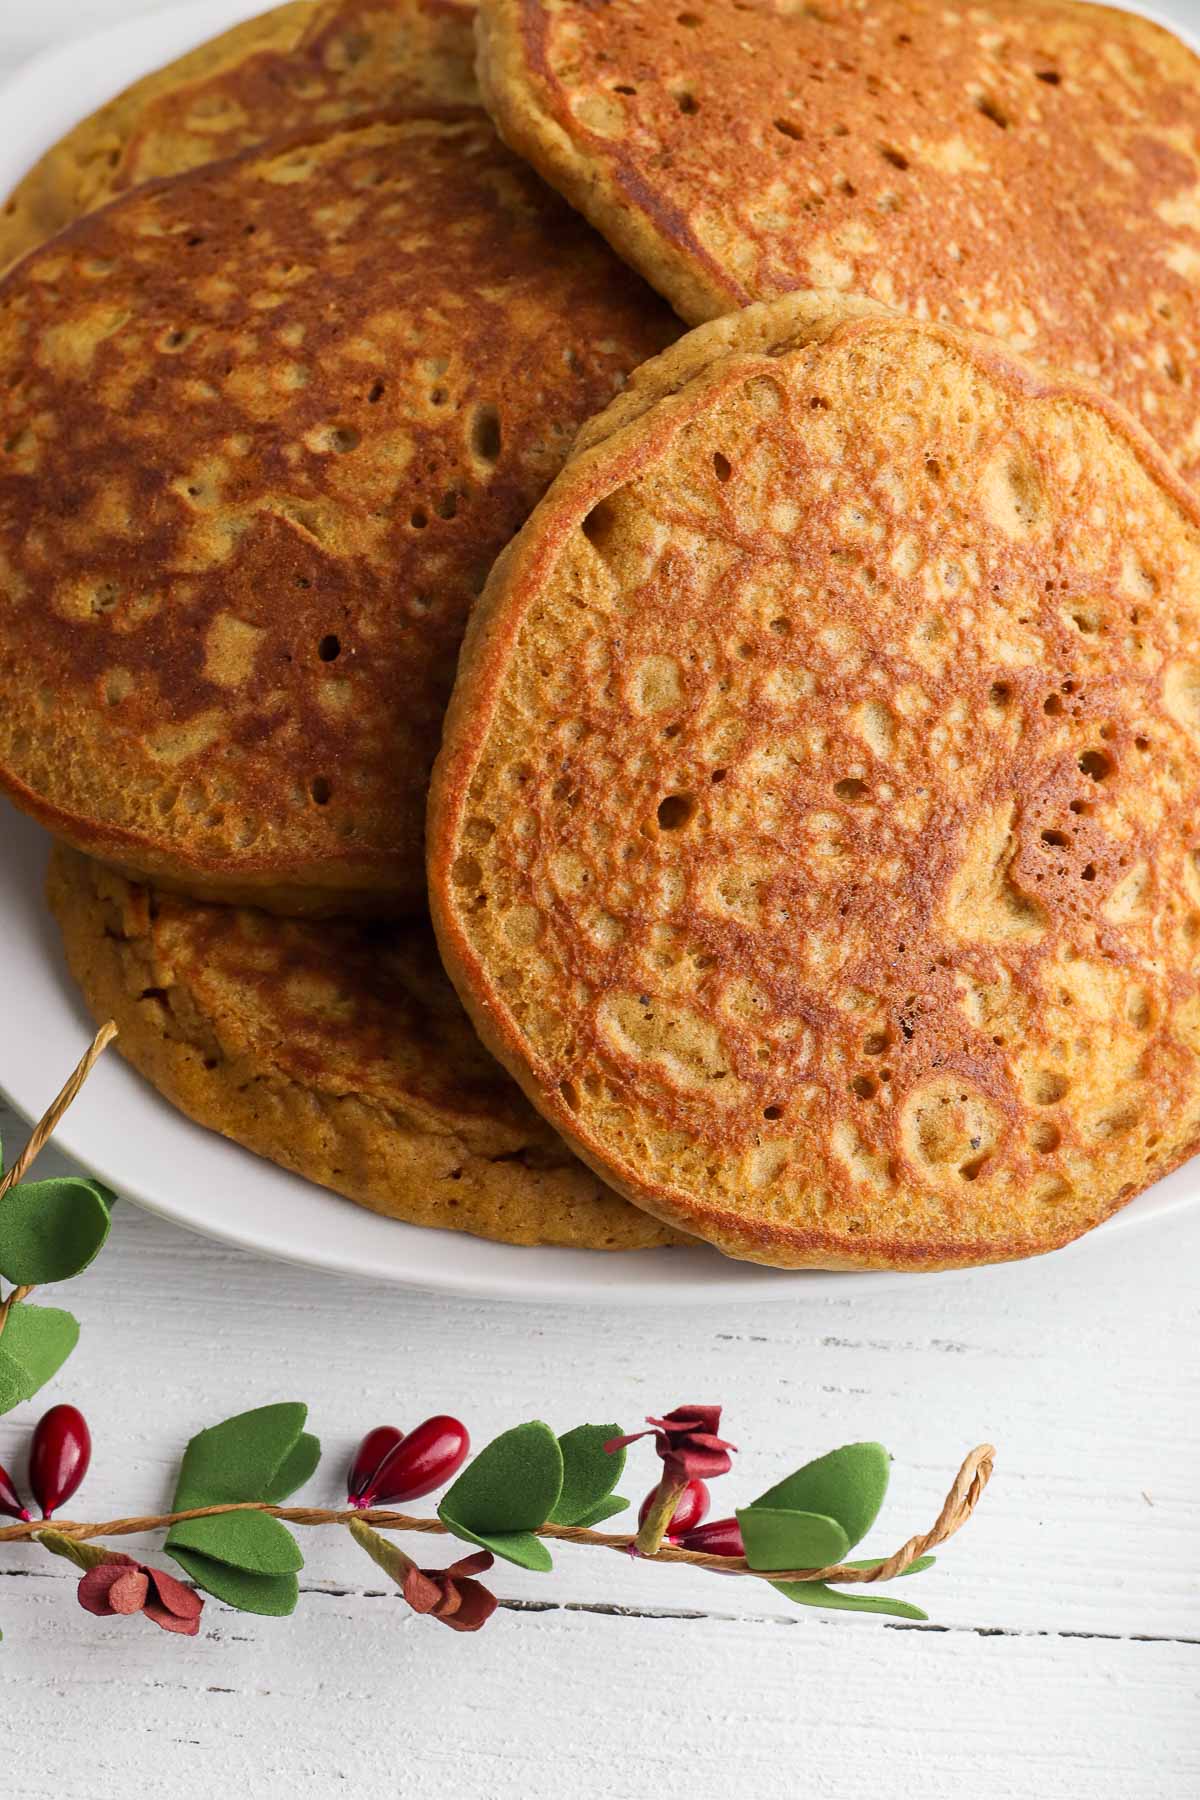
122,1585
687,1441
450,1594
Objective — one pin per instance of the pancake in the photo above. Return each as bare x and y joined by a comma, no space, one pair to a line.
815,833
266,427
77,173
1024,168
299,67
337,1050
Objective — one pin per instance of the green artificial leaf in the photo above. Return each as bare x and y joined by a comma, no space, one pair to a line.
512,1485
274,1596
847,1485
263,1455
817,1593
295,1469
916,1567
510,1488
244,1458
520,1547
37,1341
253,1541
589,1473
776,1538
51,1230
603,1509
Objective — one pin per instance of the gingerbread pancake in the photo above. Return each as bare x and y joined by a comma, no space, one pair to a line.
266,427
298,68
815,835
1028,168
337,1050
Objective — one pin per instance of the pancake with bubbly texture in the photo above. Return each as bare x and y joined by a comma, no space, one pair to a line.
266,427
815,833
1027,168
337,1050
77,173
298,68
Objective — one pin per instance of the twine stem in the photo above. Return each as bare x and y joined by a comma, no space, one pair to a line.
961,1501
44,1130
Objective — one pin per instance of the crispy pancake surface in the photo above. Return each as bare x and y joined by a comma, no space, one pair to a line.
815,834
266,427
299,68
337,1050
1024,168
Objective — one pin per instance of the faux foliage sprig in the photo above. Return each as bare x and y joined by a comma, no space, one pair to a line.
524,1490
227,1529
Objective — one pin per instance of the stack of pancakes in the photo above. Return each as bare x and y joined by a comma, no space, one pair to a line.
813,835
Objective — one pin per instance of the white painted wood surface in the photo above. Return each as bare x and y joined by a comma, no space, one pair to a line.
1063,1657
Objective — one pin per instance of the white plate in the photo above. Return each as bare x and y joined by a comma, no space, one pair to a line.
143,1148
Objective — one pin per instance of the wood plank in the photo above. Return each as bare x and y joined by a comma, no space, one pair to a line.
363,1695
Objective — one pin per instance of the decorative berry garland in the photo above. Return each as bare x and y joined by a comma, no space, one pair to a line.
227,1528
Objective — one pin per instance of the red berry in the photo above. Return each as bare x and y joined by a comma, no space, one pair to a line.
692,1506
720,1537
375,1446
58,1457
10,1500
431,1453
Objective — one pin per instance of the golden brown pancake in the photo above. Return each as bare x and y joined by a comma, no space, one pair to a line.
77,173
815,835
266,427
1028,168
298,68
337,1050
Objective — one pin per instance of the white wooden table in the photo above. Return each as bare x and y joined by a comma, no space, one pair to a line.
1063,1659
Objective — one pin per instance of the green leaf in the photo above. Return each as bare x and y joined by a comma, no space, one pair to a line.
510,1488
51,1230
589,1473
776,1538
36,1343
274,1596
816,1593
295,1469
847,1485
604,1509
253,1541
520,1547
512,1485
263,1454
915,1567
244,1458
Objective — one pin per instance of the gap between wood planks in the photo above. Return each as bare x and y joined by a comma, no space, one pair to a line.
613,1610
